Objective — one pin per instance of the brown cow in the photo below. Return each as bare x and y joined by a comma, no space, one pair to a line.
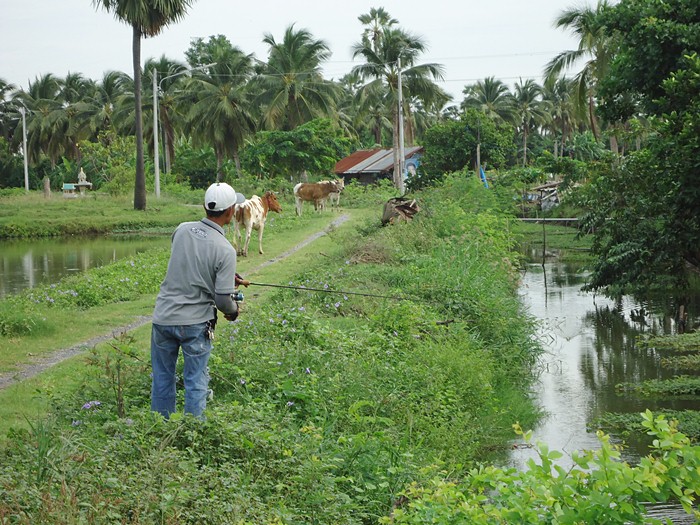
314,192
252,214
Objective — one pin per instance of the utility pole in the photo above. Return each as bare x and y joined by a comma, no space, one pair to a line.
156,153
402,154
22,110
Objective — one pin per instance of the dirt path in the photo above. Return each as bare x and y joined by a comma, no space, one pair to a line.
38,365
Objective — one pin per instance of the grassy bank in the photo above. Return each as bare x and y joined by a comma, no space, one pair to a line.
326,405
32,215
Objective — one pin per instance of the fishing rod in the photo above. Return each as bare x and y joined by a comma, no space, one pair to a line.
324,290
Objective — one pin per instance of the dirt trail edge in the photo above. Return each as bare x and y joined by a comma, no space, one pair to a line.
37,366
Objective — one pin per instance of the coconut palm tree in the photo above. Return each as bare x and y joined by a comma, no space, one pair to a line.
43,102
147,19
557,94
105,98
219,107
528,110
595,49
490,96
292,88
381,68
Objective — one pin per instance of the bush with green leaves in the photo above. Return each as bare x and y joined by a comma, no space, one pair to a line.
599,488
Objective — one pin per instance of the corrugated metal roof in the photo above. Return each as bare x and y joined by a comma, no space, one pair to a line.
351,160
378,162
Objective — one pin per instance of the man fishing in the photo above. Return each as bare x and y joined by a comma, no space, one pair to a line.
200,279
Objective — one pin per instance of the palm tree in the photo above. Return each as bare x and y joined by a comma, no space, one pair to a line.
382,70
147,19
490,96
528,109
292,88
595,47
219,106
105,98
557,94
376,20
43,102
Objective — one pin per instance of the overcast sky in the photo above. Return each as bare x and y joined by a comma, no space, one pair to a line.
472,39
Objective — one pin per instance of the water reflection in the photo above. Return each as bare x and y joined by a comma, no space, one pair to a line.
29,263
591,344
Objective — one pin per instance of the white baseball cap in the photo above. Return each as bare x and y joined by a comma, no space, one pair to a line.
220,196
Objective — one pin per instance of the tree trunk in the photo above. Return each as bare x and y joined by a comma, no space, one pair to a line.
237,160
591,116
47,187
219,164
613,145
397,163
140,180
524,145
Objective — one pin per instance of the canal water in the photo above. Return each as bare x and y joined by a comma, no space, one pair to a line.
590,345
30,263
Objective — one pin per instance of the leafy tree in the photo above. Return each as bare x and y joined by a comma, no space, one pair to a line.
147,18
655,38
451,146
646,211
108,160
314,148
11,167
195,165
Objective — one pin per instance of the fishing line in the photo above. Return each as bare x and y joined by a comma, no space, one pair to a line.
324,290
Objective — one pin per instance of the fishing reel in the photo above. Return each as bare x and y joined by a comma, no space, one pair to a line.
237,296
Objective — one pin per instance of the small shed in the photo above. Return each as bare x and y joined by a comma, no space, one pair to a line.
69,190
370,165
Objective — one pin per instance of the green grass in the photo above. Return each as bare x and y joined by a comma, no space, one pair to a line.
93,214
330,409
68,326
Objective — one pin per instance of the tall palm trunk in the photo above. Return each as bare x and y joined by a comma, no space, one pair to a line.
591,116
140,180
219,162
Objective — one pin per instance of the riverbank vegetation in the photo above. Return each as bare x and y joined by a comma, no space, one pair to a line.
334,408
325,405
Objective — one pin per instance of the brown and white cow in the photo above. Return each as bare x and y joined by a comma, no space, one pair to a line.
334,196
316,192
251,215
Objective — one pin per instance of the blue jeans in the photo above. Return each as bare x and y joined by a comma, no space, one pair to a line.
196,348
